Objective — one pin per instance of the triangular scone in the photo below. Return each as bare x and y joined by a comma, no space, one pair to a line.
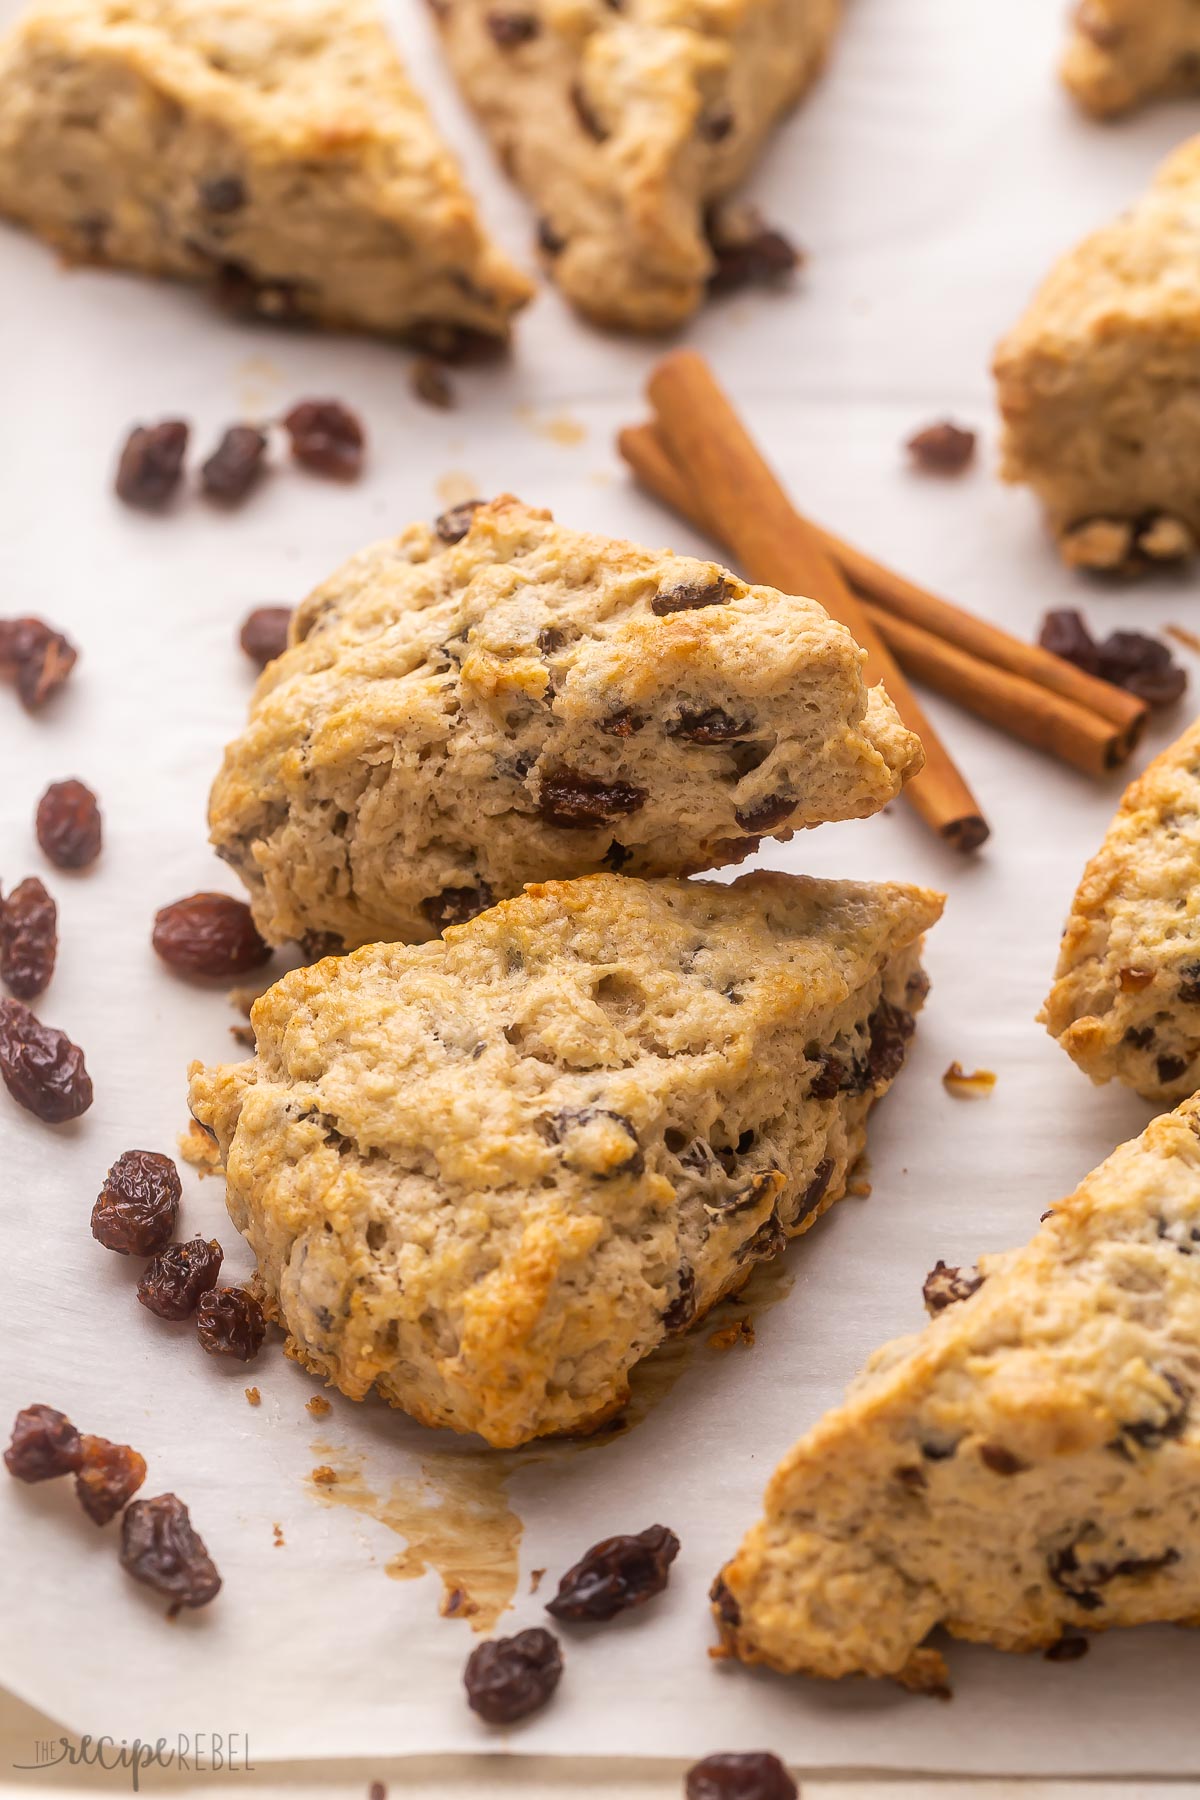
623,124
1026,1468
496,700
1096,384
488,1176
272,147
1126,995
1124,51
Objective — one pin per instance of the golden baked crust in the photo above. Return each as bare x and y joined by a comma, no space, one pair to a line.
490,1174
1026,1467
527,702
1126,996
1122,52
274,147
1096,383
624,124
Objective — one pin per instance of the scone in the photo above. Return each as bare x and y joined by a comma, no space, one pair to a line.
271,147
1096,383
1025,1469
1126,995
498,700
1121,52
624,124
486,1176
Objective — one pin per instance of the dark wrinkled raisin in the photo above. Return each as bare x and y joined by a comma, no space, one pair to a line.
235,465
616,1573
585,1136
817,1189
616,856
1170,1068
826,1084
1142,666
746,250
36,657
326,438
1000,1460
690,596
264,633
724,1605
108,1478
715,726
509,29
159,1547
1065,633
766,814
743,1199
891,1028
44,1444
585,113
1067,1649
28,939
455,905
430,383
942,449
1152,1434
230,1322
1081,1581
136,1209
223,194
238,291
767,1241
173,1281
41,1068
209,934
1138,1037
68,825
576,802
453,525
1189,983
151,465
751,1775
624,723
508,1678
682,1309
945,1286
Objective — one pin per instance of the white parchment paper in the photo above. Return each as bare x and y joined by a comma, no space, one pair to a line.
933,177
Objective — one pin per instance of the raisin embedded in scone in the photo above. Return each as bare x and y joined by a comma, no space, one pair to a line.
1025,1469
1122,52
271,147
500,700
488,1175
1126,996
625,124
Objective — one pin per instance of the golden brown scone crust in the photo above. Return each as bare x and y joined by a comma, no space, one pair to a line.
487,1175
624,124
274,147
1026,1467
1126,996
456,719
1121,52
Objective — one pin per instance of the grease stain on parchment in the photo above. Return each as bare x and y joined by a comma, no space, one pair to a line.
560,428
455,487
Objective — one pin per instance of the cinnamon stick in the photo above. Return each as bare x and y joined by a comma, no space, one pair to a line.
752,515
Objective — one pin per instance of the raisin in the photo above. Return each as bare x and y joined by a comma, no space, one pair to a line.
942,449
616,856
1170,1068
28,939
230,1322
223,194
326,438
690,596
453,525
151,465
209,934
41,1068
68,825
766,814
1065,633
746,250
715,126
1139,1037
945,1286
715,726
767,1241
136,1209
682,1309
44,1444
1152,1434
816,1190
1067,1649
235,465
36,657
508,1678
891,1028
575,802
1189,983
1081,1581
509,29
596,1142
750,1775
826,1084
455,905
624,723
430,383
615,1574
108,1477
264,633
238,291
159,1547
173,1281
1001,1461
1142,666
724,1605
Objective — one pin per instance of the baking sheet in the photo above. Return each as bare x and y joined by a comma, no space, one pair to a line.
932,177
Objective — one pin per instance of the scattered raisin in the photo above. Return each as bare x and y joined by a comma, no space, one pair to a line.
690,596
508,1678
509,29
1170,1068
596,1141
1067,1649
1189,983
68,825
264,633
724,1605
891,1029
41,1068
1065,633
136,1209
682,1309
766,814
455,905
576,802
151,465
1000,1460
453,525
945,1286
108,1477
769,1239
750,1775
746,250
230,1322
430,383
241,293
159,1547
223,194
326,438
1081,1581
624,723
36,657
1129,659
28,939
235,465
942,449
44,1444
616,1573
173,1281
209,934
816,1190
714,726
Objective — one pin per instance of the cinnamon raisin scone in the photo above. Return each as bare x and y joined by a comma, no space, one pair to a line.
1126,996
1096,383
1122,52
486,1176
498,700
625,124
272,147
1025,1469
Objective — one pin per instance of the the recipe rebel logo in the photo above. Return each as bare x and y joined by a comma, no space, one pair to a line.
204,1753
